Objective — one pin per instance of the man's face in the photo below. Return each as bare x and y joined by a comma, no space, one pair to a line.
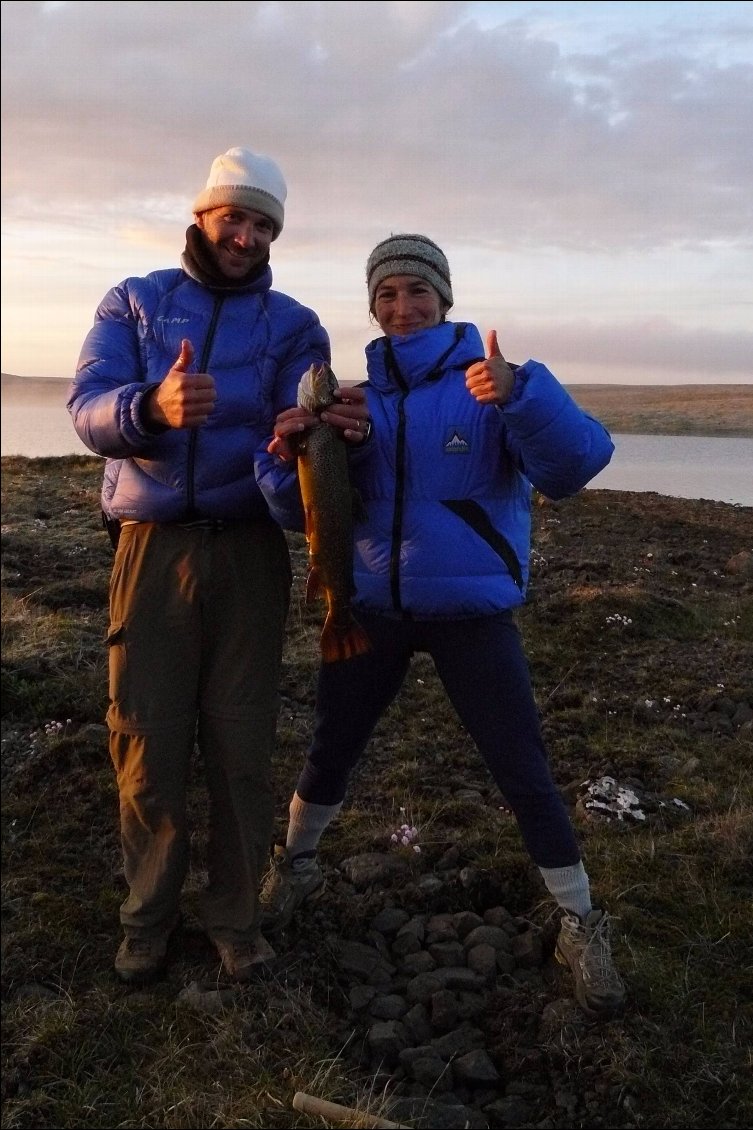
238,238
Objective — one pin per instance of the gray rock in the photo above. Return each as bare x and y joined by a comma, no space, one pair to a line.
482,960
528,950
386,1039
426,1114
390,920
417,1024
366,963
489,935
374,868
500,916
441,928
449,954
465,1038
465,921
444,1010
388,1007
510,1111
211,1001
360,996
419,962
475,1069
425,1066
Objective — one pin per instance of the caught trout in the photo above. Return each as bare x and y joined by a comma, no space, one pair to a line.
328,507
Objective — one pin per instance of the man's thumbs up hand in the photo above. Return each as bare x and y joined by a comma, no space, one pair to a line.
183,399
185,357
490,381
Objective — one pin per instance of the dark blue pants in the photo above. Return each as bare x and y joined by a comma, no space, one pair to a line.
483,668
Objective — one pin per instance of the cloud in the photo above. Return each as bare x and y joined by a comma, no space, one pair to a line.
408,113
588,172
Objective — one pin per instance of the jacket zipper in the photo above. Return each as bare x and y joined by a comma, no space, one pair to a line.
194,437
397,513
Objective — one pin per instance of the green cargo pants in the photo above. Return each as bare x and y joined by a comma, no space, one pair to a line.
195,641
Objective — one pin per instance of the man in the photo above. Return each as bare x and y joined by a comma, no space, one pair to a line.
178,383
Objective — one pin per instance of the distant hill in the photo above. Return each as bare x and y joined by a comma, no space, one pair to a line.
25,389
701,410
708,410
11,380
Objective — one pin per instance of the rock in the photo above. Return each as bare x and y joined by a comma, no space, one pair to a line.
417,1024
419,962
365,962
441,928
740,564
510,1111
482,960
488,935
374,868
386,1040
475,1069
463,1039
212,1001
527,949
390,920
465,921
388,1007
360,996
443,1010
450,954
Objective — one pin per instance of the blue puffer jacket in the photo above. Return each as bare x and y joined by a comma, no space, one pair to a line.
446,481
255,342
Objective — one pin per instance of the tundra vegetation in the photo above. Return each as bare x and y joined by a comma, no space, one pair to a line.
639,631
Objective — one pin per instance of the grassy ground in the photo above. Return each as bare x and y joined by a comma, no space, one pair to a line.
638,630
701,410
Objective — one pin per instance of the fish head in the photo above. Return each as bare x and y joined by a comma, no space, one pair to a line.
316,389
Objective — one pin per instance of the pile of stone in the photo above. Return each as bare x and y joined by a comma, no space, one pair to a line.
421,989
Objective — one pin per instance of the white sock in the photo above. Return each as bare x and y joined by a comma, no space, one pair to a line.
307,823
570,887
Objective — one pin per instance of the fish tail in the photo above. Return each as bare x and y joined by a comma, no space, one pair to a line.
343,640
314,587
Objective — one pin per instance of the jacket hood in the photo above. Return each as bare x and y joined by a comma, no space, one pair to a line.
423,356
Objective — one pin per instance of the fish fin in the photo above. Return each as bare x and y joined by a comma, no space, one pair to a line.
313,585
343,642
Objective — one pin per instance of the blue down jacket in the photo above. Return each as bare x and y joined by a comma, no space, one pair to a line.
446,481
255,342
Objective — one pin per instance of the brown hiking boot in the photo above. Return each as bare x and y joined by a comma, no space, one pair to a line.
584,946
288,884
141,957
243,960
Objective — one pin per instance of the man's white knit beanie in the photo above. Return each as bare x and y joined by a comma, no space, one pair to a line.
409,255
246,180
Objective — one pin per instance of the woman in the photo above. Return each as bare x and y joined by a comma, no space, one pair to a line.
446,442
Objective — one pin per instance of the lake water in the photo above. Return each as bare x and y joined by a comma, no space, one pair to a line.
680,466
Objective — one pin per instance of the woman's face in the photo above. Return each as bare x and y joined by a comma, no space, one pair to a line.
405,304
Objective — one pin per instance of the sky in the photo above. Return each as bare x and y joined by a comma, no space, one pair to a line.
586,167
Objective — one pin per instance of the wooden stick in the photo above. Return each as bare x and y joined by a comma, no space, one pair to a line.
310,1104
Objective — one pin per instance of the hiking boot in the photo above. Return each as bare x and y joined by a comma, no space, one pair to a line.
243,960
141,957
288,884
584,946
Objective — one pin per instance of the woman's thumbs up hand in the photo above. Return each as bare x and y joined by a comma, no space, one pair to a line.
490,381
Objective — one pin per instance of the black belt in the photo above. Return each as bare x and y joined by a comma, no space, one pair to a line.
215,524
